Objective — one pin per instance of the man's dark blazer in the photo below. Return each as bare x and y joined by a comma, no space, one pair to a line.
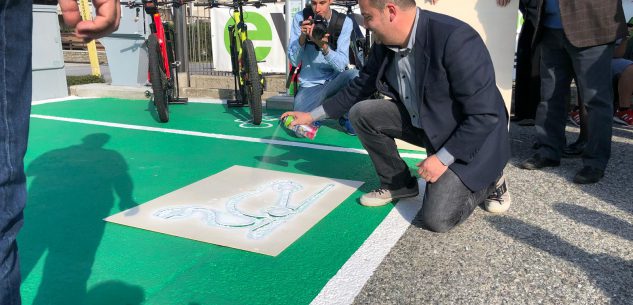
461,108
588,23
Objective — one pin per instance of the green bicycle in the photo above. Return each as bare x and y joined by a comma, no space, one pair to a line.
247,77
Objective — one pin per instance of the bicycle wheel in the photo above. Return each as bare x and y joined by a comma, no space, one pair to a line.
252,91
158,78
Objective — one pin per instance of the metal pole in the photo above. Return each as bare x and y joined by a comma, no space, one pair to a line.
291,8
289,17
84,9
182,51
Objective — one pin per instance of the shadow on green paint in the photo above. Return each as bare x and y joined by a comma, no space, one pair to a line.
72,189
114,293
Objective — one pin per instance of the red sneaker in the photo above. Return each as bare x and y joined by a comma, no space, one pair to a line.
624,117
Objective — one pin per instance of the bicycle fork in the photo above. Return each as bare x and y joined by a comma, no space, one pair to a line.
237,101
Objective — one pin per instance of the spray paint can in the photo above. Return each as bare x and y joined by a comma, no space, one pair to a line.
302,131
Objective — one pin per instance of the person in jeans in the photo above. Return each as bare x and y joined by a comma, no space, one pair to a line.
323,70
439,97
576,38
16,24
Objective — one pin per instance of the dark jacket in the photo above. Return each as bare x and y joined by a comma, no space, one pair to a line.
529,8
460,106
589,23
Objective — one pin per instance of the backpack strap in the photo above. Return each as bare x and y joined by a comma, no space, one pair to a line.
334,28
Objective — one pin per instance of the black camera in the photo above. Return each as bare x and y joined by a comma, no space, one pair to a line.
320,27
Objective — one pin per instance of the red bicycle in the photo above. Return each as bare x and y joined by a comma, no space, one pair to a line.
161,55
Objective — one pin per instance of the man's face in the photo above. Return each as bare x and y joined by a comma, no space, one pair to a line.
375,20
321,7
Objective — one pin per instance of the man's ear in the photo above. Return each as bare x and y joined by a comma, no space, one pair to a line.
392,10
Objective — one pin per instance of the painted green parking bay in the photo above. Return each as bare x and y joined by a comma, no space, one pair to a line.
81,172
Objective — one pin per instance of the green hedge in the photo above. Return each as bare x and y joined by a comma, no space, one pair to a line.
84,79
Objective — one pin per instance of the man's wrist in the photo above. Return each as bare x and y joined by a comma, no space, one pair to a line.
318,113
325,49
445,157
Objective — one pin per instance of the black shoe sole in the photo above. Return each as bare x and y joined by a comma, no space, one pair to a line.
532,166
587,180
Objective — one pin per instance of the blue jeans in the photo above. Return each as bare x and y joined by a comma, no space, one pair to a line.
15,107
309,98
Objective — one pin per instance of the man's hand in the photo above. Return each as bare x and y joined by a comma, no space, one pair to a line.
503,2
306,30
106,21
324,43
301,118
431,168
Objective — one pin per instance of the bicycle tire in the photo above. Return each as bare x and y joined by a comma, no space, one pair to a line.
158,78
252,91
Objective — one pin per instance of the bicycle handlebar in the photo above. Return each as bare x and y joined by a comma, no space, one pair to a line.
176,3
235,3
345,3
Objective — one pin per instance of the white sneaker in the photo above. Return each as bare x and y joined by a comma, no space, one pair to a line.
499,201
381,196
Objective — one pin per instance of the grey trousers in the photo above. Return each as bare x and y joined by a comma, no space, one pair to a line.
560,61
447,202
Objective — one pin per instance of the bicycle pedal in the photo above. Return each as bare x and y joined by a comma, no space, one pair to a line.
176,64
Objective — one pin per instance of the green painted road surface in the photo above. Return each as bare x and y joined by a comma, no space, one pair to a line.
119,156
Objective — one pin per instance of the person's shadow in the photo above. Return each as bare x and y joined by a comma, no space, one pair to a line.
609,273
71,191
115,293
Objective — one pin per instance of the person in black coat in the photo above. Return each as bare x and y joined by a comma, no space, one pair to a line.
441,89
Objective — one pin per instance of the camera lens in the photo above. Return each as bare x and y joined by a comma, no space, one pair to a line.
320,27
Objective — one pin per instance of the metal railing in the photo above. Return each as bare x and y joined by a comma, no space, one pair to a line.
199,44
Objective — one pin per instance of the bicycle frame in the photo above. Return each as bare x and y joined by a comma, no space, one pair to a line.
246,72
161,56
162,42
238,33
151,8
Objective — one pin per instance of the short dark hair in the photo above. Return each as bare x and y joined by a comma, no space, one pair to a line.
401,3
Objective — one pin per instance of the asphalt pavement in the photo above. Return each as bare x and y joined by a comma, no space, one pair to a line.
560,243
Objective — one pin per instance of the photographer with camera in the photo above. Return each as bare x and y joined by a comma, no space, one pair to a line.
319,42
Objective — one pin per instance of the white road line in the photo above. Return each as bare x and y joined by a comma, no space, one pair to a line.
56,100
351,278
218,136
